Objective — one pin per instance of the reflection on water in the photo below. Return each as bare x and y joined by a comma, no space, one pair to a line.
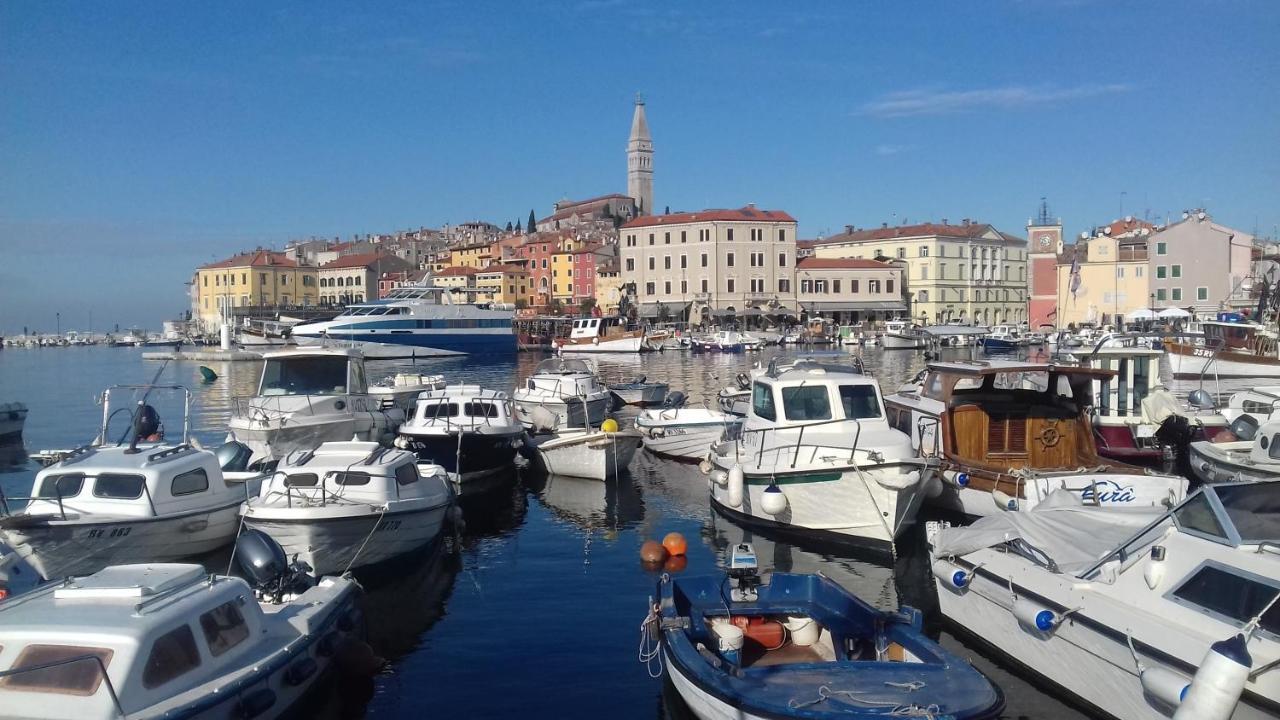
534,610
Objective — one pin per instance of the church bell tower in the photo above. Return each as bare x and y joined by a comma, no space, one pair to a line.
640,161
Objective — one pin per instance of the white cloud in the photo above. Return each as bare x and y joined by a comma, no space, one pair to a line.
907,103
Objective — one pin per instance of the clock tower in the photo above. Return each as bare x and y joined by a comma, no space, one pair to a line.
1044,244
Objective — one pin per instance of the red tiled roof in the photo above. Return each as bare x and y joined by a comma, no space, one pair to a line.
456,270
1125,226
813,263
258,258
354,261
972,230
504,267
745,214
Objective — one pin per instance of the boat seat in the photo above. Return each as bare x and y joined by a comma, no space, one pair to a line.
233,456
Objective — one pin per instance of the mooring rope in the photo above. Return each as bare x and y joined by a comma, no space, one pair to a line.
381,512
895,709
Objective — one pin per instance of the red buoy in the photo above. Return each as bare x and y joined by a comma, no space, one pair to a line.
675,544
652,552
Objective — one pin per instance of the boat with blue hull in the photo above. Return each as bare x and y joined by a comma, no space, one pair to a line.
801,646
414,322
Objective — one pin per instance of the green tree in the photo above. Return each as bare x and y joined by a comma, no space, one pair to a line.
521,303
508,226
587,305
664,315
517,226
533,221
555,307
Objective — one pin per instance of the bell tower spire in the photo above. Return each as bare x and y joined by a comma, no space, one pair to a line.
640,161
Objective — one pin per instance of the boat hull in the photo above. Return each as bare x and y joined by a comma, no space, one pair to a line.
1226,462
478,454
632,343
567,414
1190,361
279,436
601,456
976,497
684,442
329,545
894,341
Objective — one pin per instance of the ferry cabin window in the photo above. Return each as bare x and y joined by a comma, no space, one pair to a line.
189,483
351,478
806,403
81,677
173,654
224,628
119,487
480,409
762,402
66,485
407,474
301,480
860,402
305,376
1231,596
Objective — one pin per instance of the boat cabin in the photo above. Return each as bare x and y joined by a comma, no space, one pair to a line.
564,377
313,371
592,327
1238,336
816,404
157,630
342,472
465,406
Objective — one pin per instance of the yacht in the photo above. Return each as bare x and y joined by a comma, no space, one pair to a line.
1139,614
596,335
170,641
469,431
562,392
902,335
1231,349
148,499
817,458
417,321
311,395
1002,338
346,505
1005,434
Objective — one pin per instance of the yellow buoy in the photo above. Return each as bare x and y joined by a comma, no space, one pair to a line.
609,425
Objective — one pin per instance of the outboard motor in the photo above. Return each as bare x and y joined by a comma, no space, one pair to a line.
1244,427
1201,400
674,399
233,456
1175,435
266,567
744,381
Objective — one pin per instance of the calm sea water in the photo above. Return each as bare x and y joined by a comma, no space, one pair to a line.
535,610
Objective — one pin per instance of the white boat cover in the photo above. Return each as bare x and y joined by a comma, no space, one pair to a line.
1072,535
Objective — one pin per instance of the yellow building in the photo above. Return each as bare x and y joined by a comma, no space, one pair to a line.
609,288
476,255
1113,276
562,273
504,283
455,277
257,279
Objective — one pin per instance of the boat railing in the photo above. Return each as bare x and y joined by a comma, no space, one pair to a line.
799,444
98,664
108,413
1212,346
270,407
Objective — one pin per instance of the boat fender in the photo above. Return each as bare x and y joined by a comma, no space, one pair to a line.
736,485
933,488
720,478
1004,501
773,500
961,479
1218,683
1034,616
952,576
705,466
300,671
595,341
1168,686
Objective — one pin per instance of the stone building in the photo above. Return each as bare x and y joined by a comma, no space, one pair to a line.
354,278
260,279
850,290
1112,267
640,162
1200,266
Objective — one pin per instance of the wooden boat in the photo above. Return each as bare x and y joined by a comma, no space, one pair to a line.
1006,434
595,335
1230,349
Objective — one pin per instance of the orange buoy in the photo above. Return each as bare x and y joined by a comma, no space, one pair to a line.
652,552
676,563
675,544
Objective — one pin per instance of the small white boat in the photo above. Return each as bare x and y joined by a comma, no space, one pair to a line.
596,335
1252,458
639,392
12,417
347,505
146,500
594,454
1138,613
902,335
170,641
562,392
469,431
686,433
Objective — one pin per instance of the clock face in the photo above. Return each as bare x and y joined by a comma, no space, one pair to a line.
1045,241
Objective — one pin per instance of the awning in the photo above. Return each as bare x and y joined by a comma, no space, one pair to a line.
855,306
674,309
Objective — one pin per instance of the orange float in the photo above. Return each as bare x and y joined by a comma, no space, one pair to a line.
653,552
675,544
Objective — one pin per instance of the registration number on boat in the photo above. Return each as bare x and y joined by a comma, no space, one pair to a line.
96,533
1202,352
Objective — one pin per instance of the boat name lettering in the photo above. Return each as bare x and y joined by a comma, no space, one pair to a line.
1108,491
1202,352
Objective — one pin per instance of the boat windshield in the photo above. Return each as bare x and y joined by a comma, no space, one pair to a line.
320,375
362,310
562,366
1238,513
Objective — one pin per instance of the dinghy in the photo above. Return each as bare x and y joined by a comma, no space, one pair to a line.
639,392
585,453
801,646
686,433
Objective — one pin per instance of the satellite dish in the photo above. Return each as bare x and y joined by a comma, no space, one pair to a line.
1200,215
1128,218
1106,230
1084,236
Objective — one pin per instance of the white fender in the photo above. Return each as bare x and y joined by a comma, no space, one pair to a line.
1004,501
1034,616
1218,683
705,466
720,477
773,500
1167,686
951,575
736,482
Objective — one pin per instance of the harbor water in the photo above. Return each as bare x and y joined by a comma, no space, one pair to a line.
534,608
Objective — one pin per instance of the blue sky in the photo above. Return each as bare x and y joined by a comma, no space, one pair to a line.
139,140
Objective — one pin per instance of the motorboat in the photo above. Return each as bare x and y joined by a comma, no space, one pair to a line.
1261,403
586,453
147,499
562,392
638,391
1254,456
13,415
817,458
683,432
1137,613
801,646
133,337
1002,338
469,431
902,335
310,395
596,335
164,640
1232,348
1005,434
723,341
402,389
415,321
347,505
255,333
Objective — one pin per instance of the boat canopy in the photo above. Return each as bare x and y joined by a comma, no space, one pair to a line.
563,366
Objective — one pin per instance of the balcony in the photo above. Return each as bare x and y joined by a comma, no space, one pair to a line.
702,297
759,296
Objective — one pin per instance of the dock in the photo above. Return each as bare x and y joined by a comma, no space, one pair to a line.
203,355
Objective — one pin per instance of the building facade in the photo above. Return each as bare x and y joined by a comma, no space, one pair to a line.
354,278
258,279
1103,278
969,273
710,263
850,290
608,209
473,255
503,283
1044,238
1200,266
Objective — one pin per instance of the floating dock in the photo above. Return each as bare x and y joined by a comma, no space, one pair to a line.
203,355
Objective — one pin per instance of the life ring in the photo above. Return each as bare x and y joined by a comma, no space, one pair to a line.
1050,435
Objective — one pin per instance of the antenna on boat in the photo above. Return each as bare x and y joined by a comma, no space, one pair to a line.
135,427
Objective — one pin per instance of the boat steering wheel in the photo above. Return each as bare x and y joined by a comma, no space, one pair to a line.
1050,435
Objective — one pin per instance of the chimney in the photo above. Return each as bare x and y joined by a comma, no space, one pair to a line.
884,226
944,221
848,229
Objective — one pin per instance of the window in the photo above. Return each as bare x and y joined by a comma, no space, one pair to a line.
873,286
1138,271
224,627
1119,272
924,251
1175,294
650,238
173,655
924,272
650,288
189,483
782,259
902,253
728,285
806,403
480,409
1175,271
923,296
835,286
729,234
859,401
301,480
347,477
119,487
631,265
784,285
652,265
819,286
1161,272
1161,249
666,238
728,259
76,678
684,262
762,402
853,286
666,287
782,235
704,284
1161,294
682,234
1232,596
684,287
806,286
66,485
407,474
666,262
1202,293
704,259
